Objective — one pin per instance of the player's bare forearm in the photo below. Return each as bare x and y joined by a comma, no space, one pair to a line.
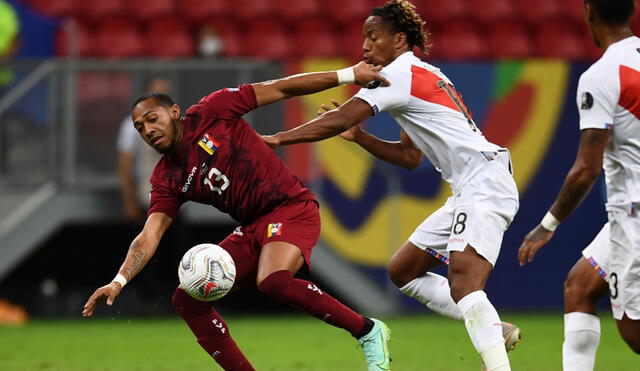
401,153
328,125
308,83
583,173
575,188
138,256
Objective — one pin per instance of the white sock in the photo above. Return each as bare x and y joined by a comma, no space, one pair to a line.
433,291
581,339
485,330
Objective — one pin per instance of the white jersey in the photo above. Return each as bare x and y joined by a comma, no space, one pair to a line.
145,158
426,106
609,98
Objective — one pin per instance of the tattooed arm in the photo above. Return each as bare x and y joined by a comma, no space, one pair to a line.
141,250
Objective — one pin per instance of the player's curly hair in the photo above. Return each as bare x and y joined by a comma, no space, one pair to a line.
402,16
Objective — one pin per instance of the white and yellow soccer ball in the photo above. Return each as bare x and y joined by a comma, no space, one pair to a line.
207,272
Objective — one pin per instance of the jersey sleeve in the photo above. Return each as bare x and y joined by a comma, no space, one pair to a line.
386,98
161,199
229,102
597,99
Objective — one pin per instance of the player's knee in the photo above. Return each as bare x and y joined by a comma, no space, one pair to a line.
186,306
275,284
399,276
576,298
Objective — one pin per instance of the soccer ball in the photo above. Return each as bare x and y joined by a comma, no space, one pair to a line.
207,272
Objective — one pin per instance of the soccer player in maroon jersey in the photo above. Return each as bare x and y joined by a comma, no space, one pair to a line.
212,156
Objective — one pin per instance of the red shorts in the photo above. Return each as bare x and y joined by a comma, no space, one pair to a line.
295,222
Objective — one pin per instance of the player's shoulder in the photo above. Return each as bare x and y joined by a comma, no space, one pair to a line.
606,68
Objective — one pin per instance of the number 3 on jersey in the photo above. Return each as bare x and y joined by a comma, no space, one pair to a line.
219,177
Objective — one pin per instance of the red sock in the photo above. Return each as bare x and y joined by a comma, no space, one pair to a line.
306,296
211,331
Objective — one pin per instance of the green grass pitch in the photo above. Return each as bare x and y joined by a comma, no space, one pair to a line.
284,343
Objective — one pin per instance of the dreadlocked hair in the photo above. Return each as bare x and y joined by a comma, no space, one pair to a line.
402,16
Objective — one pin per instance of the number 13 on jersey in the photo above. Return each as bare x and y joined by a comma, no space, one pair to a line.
221,180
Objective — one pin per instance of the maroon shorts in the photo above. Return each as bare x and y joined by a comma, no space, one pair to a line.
295,222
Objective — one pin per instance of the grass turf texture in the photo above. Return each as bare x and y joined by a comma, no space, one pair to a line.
284,343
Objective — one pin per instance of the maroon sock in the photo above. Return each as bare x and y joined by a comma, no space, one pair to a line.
211,331
306,296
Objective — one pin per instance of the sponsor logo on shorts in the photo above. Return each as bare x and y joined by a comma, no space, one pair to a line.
456,240
274,229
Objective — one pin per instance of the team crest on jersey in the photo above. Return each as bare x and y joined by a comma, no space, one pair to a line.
208,143
587,100
274,229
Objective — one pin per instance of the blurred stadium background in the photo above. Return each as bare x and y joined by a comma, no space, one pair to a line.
69,70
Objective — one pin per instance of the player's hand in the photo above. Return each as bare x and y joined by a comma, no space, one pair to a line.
532,242
368,75
326,108
110,292
271,140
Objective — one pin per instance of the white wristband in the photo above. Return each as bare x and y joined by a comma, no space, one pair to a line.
549,222
120,279
346,76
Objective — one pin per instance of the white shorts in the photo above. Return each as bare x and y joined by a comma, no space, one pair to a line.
624,264
598,252
478,215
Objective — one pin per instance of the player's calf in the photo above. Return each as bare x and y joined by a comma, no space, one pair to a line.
211,331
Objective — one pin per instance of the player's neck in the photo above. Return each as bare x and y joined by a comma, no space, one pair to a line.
612,34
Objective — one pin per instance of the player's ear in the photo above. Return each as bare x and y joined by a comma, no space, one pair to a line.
400,39
175,112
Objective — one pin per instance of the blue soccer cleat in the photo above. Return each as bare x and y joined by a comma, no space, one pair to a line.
374,345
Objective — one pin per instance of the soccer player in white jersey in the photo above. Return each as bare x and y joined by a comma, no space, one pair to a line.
467,231
608,100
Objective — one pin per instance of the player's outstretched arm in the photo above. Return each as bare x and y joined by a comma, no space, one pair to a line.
330,124
401,153
308,83
141,250
577,184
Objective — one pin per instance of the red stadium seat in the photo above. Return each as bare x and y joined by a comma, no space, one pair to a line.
510,40
268,40
490,11
316,38
460,41
557,39
94,10
348,11
119,38
575,11
58,8
145,9
170,38
543,10
200,11
248,10
440,12
351,39
293,11
84,40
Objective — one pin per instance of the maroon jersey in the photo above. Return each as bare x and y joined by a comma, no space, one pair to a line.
222,162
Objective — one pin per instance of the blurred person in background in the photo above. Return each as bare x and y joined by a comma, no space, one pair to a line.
136,162
212,156
608,99
465,233
209,43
